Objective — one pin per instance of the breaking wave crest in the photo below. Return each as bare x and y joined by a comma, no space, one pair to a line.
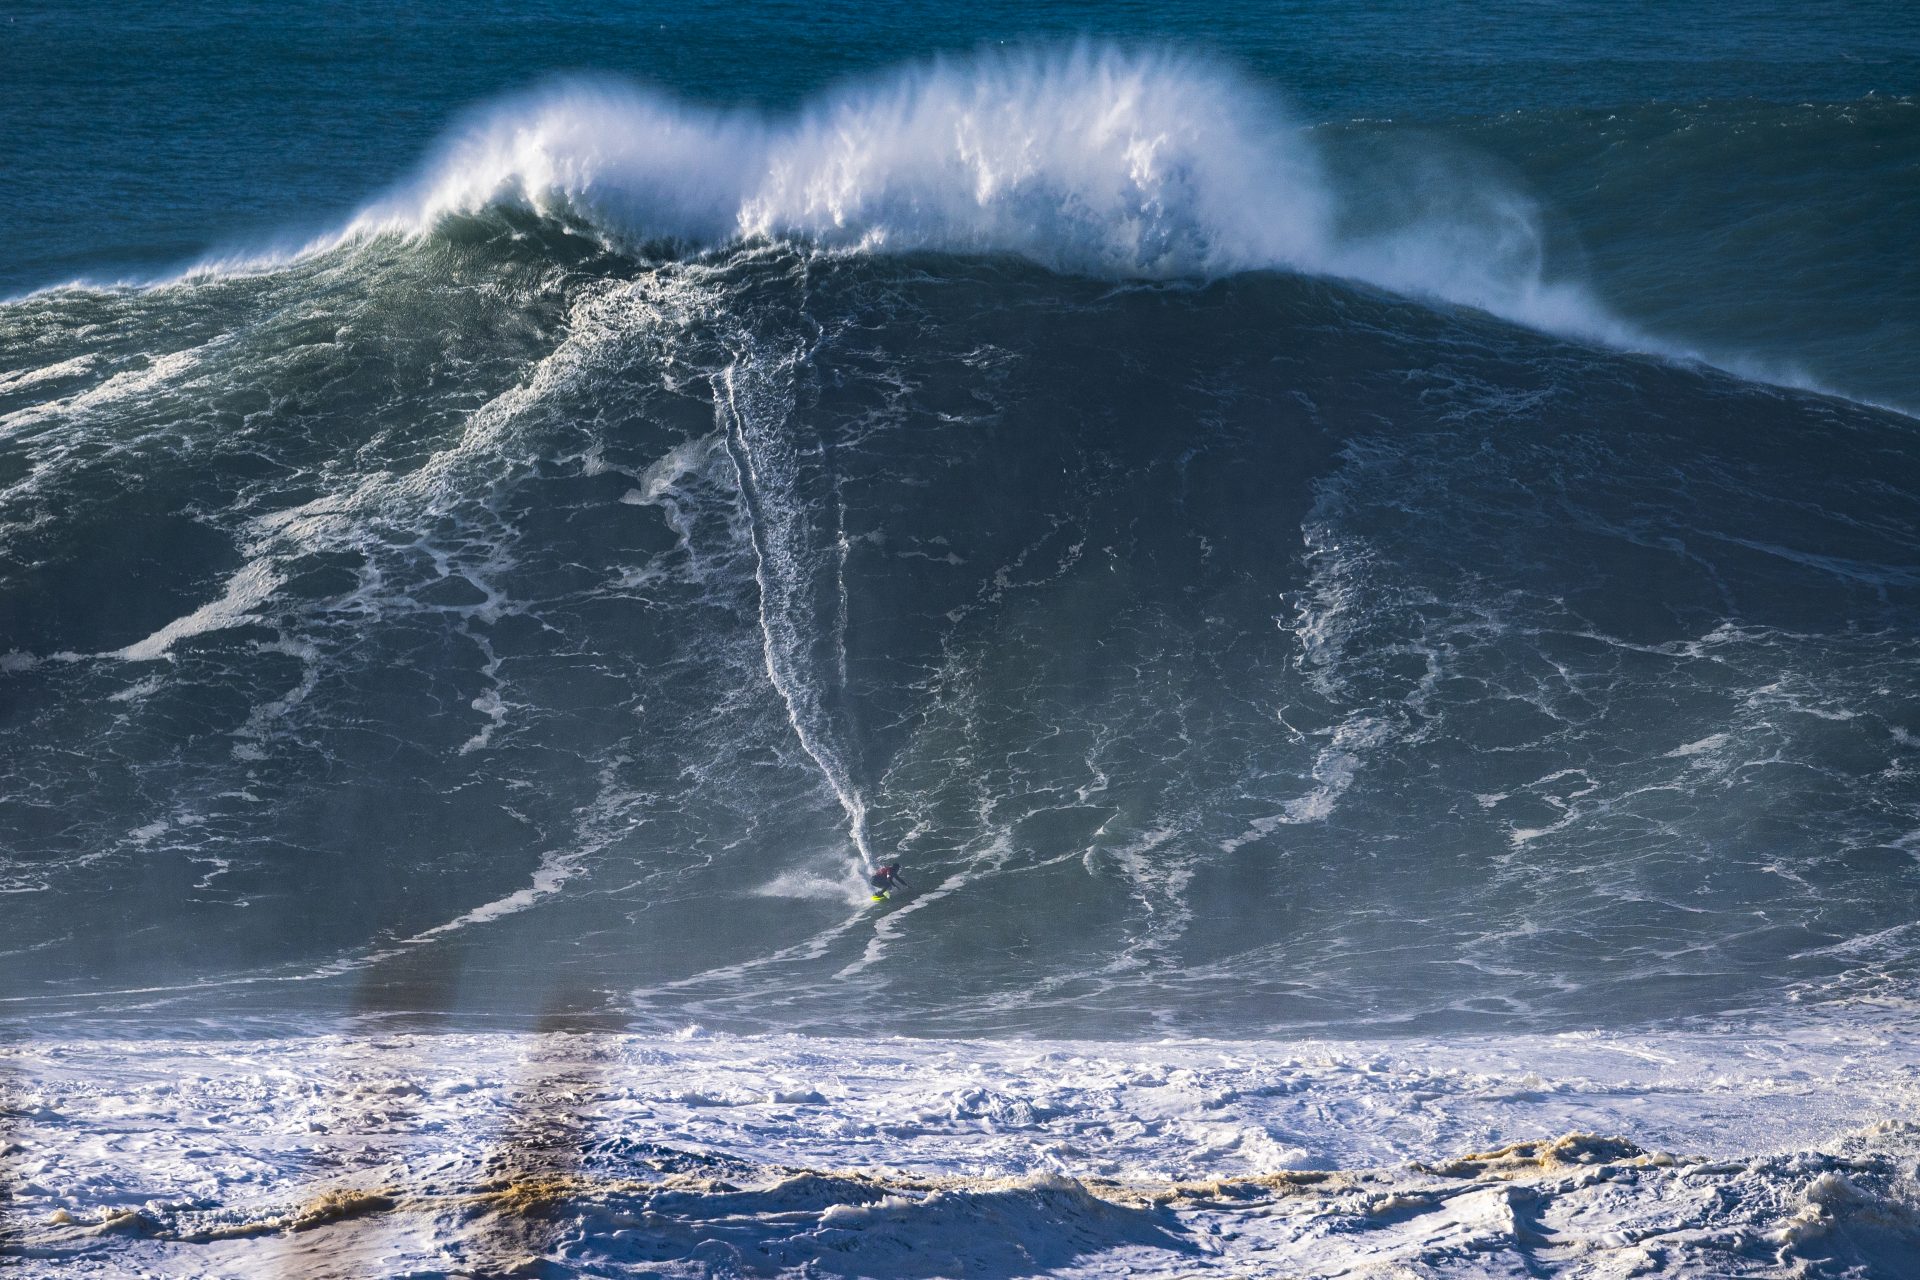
1089,159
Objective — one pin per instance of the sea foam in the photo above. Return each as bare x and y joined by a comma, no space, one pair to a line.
1672,1155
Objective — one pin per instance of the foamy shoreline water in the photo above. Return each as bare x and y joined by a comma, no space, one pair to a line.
1750,1151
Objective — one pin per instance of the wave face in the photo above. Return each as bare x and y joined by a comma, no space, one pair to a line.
492,620
1368,570
1260,575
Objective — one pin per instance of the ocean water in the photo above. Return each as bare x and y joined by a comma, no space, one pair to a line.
1365,559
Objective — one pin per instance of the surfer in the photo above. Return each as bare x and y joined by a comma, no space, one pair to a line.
886,879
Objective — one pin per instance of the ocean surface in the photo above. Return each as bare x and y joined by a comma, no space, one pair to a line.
1365,558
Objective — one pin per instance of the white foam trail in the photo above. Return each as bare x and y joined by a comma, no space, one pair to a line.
247,590
785,620
810,884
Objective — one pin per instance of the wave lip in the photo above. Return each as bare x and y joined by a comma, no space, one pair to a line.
631,161
1090,160
1087,159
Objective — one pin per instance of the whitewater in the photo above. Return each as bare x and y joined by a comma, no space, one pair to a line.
577,1152
1399,713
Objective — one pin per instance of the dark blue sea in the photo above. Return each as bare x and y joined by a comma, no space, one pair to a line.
1385,521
